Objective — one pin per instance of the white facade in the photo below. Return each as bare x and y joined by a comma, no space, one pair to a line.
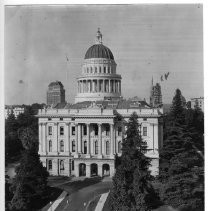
17,111
92,136
82,139
199,101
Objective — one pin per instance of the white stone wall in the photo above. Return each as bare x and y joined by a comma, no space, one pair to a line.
91,118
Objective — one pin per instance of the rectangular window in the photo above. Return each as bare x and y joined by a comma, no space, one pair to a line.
144,119
73,131
96,130
119,131
61,130
49,165
96,147
144,131
73,146
50,130
72,165
85,130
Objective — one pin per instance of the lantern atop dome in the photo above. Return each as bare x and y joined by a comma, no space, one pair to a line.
98,37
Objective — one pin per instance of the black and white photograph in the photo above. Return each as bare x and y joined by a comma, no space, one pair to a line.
104,107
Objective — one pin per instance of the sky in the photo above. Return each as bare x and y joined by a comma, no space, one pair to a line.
146,41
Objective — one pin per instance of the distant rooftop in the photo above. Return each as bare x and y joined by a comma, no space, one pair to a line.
55,83
121,104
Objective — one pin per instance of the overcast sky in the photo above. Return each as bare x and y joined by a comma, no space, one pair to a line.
146,41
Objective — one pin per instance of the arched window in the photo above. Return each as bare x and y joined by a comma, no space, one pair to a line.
104,69
73,146
96,147
61,165
49,164
91,69
85,147
50,146
107,148
100,69
119,147
61,146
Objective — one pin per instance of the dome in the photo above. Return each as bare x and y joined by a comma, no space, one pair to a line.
99,51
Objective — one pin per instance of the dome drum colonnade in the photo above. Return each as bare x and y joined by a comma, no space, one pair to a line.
99,85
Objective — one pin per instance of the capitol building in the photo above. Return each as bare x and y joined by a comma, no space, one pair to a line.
82,139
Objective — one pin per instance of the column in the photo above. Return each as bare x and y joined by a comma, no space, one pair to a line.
99,142
70,128
44,137
76,138
79,138
92,85
112,139
82,86
88,170
79,87
76,169
55,145
91,144
100,170
67,148
88,138
40,138
98,84
114,86
156,137
103,86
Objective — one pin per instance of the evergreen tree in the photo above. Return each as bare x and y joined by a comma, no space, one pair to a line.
30,182
13,145
132,189
177,108
180,161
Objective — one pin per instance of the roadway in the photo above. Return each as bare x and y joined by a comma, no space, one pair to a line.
79,199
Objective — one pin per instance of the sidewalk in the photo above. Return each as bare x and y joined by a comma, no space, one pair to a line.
55,204
101,202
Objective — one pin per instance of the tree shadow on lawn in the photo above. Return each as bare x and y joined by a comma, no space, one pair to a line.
77,185
55,181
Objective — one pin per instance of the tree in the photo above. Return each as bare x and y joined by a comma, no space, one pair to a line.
30,182
177,108
29,139
13,145
181,169
132,189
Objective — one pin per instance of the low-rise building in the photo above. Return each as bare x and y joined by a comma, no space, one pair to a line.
16,110
197,101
